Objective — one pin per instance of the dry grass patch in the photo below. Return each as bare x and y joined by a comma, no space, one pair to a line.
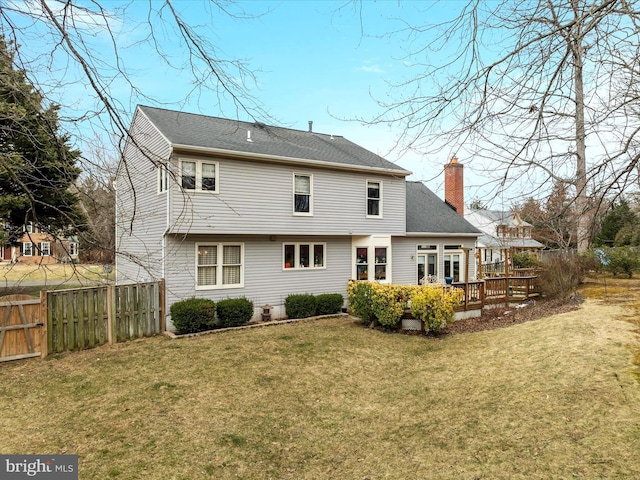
553,398
55,273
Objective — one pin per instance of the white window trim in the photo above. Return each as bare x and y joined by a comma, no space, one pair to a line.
371,243
297,256
380,200
463,267
199,164
293,205
42,249
163,178
426,252
30,254
219,265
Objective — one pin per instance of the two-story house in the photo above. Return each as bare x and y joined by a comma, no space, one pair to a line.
35,245
222,208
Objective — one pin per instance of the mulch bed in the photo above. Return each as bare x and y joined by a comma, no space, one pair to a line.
500,317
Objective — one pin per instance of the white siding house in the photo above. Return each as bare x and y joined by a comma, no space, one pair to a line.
221,208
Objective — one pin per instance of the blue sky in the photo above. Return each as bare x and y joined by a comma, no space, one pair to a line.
313,60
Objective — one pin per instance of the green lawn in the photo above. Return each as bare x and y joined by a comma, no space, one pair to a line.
329,399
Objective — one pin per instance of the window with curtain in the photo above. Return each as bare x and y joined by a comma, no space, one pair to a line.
219,265
302,194
374,199
199,175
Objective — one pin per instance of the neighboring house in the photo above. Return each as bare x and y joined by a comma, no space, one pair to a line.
222,208
501,231
37,246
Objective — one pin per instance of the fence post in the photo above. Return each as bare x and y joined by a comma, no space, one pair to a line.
110,314
163,313
44,329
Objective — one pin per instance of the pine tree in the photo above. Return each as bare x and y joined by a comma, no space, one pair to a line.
37,164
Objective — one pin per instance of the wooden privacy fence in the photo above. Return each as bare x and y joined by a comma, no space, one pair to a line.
21,328
79,319
84,318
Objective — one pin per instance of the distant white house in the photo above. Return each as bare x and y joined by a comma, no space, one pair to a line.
501,231
222,208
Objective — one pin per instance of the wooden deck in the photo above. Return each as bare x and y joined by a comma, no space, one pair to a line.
495,291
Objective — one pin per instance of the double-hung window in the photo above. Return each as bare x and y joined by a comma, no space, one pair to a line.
380,263
302,194
303,255
374,199
44,249
219,265
27,249
199,175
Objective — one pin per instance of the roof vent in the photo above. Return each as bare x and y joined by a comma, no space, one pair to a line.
310,126
249,136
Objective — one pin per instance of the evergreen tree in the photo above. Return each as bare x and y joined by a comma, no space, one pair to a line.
37,164
619,218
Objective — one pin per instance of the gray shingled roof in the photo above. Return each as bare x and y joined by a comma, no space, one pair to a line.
202,131
426,212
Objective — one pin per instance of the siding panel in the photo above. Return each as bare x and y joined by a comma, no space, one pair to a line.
265,280
141,213
257,198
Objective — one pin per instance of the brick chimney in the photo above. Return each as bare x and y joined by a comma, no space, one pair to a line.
454,185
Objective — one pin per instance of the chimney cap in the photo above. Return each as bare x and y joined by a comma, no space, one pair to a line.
454,159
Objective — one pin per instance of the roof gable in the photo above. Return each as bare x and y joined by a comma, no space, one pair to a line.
427,213
188,130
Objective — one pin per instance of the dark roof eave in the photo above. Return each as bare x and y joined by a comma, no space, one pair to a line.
287,160
442,234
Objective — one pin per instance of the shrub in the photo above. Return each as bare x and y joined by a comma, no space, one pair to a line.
359,300
435,306
234,312
193,315
328,303
388,303
300,305
624,260
524,260
561,275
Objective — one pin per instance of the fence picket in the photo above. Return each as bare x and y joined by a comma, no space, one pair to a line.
84,318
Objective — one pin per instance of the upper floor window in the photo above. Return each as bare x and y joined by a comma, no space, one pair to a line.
163,178
302,194
199,175
374,199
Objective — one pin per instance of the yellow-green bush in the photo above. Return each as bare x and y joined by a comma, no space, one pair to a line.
386,304
435,306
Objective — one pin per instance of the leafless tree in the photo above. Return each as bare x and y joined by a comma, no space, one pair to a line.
531,86
74,53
